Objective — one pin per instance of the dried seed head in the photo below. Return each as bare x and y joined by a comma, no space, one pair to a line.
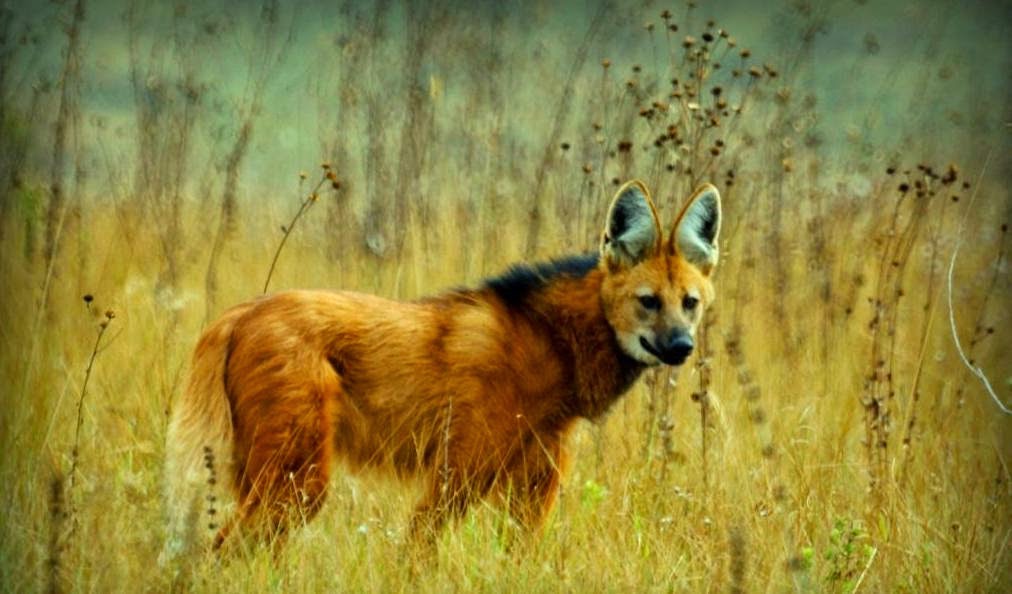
606,63
689,41
950,174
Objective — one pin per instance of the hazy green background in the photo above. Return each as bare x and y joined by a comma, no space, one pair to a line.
881,73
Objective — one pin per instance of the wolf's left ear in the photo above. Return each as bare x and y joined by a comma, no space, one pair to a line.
695,233
633,231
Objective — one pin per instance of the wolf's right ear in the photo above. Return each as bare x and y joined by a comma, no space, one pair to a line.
633,232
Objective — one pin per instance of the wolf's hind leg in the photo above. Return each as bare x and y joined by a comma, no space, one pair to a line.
288,489
285,442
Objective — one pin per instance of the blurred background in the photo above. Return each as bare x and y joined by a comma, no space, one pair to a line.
154,155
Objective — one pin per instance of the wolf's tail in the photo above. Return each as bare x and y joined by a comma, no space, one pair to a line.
199,465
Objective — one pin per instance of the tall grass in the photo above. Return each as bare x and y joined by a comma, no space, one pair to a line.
824,438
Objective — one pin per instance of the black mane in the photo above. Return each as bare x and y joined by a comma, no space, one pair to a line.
514,285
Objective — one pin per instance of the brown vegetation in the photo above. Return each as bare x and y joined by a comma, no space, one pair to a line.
825,437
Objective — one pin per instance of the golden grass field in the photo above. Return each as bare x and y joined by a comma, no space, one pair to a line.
825,438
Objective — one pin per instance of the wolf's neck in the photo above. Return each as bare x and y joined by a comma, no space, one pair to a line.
602,371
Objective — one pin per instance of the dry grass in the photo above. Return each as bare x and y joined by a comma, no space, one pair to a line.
785,473
826,439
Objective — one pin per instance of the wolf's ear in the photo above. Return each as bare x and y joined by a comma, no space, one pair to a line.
633,231
695,233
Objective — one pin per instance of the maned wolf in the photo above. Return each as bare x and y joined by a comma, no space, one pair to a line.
474,390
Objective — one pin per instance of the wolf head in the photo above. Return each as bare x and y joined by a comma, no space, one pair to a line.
655,285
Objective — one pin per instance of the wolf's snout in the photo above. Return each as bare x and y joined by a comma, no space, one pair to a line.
675,347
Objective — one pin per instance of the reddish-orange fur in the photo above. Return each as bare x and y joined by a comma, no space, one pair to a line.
474,391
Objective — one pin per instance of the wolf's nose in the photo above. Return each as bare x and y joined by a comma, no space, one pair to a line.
676,347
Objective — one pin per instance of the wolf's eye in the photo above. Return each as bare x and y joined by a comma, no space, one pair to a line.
650,302
689,302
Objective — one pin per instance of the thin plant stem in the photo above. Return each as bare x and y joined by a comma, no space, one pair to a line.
287,229
109,315
976,371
